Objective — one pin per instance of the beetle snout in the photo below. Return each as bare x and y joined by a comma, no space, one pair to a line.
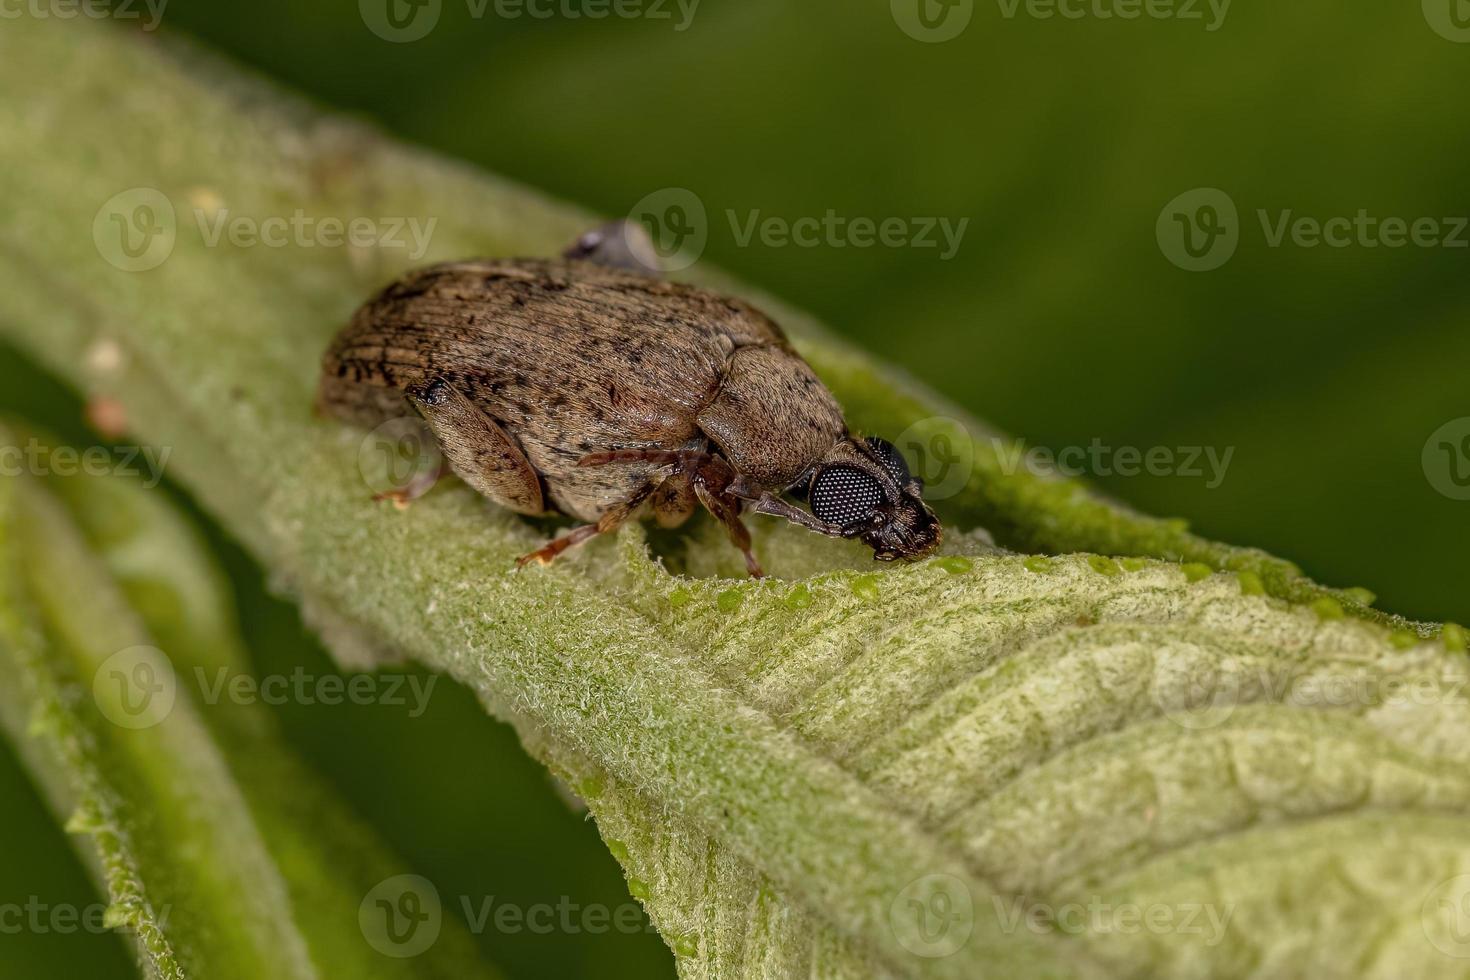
911,532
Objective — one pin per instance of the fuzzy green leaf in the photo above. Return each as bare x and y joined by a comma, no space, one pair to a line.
221,853
997,765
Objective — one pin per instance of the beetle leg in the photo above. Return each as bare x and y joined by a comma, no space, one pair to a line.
619,245
546,555
421,484
744,489
776,507
659,457
713,480
727,513
613,519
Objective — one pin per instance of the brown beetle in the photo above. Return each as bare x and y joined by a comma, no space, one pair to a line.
591,387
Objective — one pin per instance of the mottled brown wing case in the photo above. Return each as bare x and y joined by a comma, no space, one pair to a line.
570,358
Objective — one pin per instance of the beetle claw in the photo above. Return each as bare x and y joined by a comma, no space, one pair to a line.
400,499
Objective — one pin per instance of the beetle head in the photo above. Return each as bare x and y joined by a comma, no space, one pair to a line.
863,489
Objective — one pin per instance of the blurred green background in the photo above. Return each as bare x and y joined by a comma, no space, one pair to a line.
1060,318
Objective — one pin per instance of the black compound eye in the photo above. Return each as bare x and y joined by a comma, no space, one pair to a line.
891,459
844,495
